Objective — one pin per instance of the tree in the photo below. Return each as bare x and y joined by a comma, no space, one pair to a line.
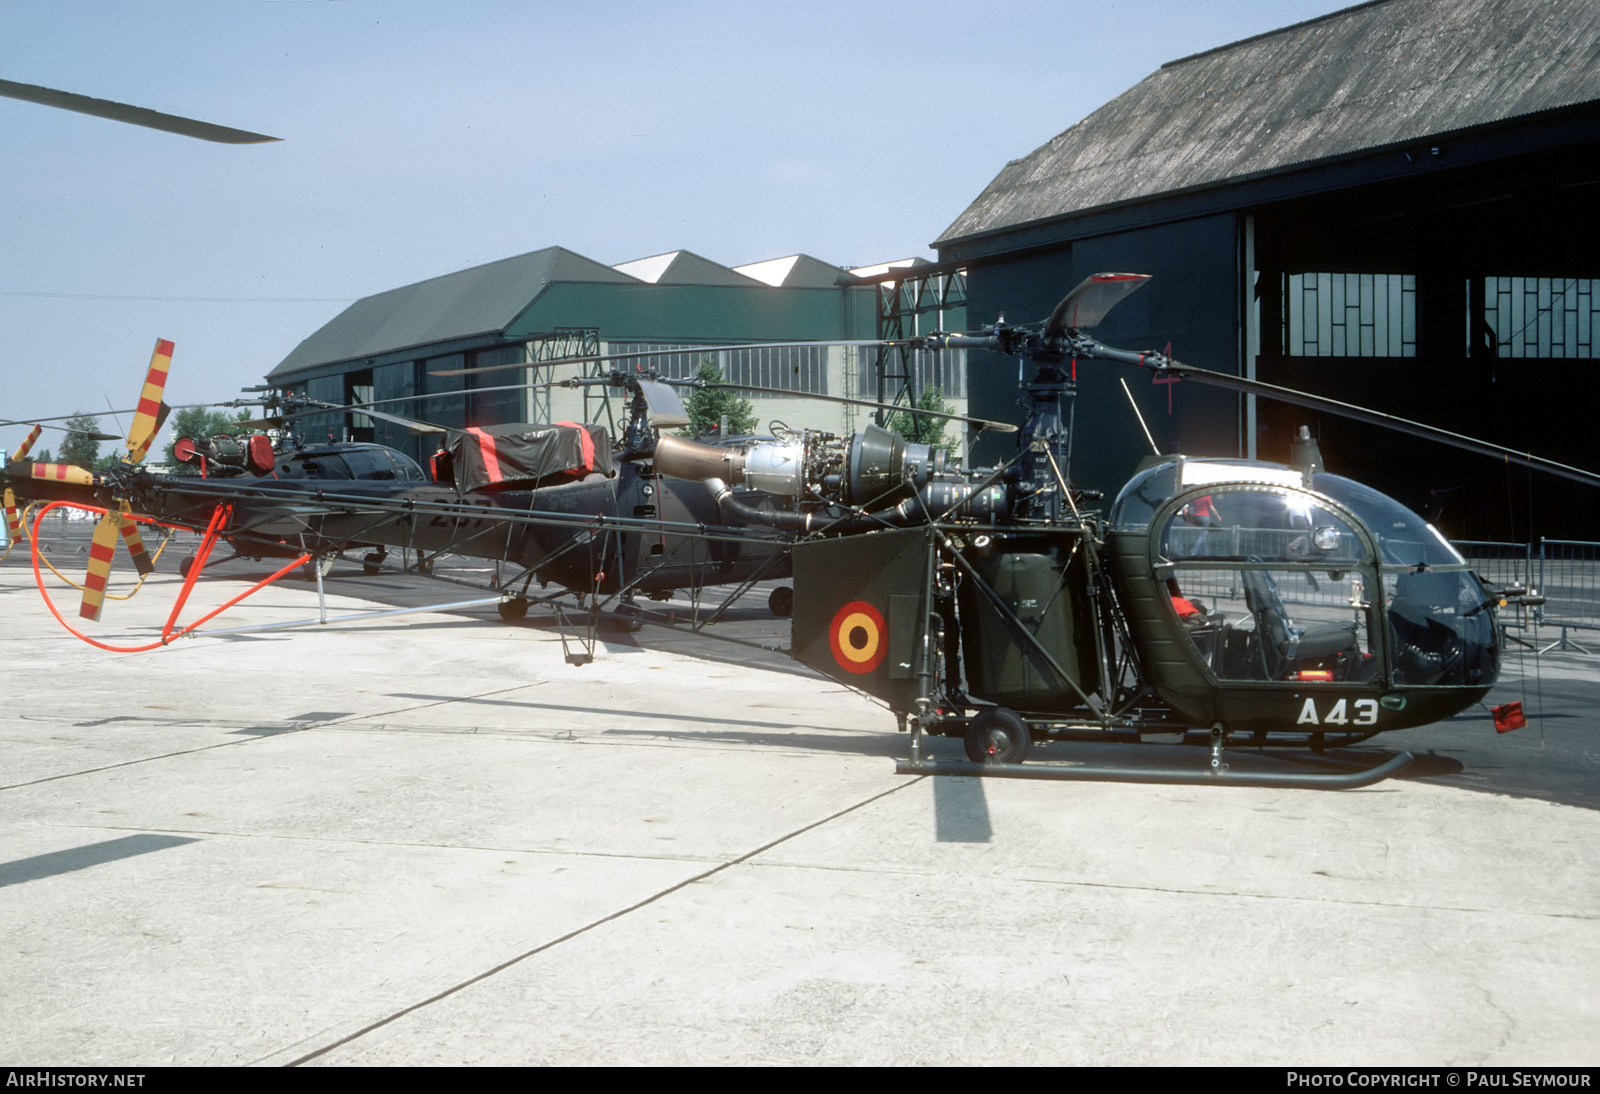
79,447
197,423
922,428
706,406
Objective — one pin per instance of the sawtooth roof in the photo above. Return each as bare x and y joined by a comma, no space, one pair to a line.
480,300
682,268
1373,75
794,271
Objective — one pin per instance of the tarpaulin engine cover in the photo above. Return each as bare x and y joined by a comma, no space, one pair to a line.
526,455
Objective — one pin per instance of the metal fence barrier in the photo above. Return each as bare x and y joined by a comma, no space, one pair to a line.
1568,571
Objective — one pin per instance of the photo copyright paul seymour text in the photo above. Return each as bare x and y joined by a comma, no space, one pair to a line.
1463,1078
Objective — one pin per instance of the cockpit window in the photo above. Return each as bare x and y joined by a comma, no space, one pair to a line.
1149,489
348,462
1262,525
1404,539
368,463
323,465
404,466
1441,628
1145,493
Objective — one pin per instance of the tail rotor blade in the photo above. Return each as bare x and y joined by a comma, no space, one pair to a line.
130,535
101,552
27,443
151,411
13,518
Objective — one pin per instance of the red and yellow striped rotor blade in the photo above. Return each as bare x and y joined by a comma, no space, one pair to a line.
151,411
13,518
135,542
101,552
27,443
63,472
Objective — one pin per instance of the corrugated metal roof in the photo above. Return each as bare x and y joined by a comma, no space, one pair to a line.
481,300
1361,78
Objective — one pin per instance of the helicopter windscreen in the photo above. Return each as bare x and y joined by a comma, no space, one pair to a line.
1404,539
1272,581
1268,583
1441,630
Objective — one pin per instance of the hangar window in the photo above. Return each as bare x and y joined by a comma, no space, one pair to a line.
1349,315
497,407
1541,316
789,368
445,406
801,369
944,369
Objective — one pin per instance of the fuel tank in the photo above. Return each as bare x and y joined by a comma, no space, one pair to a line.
1027,625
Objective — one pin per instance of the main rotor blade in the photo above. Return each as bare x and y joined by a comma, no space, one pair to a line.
634,355
132,115
1087,304
1159,363
981,423
413,424
666,409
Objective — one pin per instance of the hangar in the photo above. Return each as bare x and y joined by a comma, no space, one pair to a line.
1386,205
555,303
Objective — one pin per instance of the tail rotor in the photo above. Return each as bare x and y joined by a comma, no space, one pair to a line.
148,418
13,518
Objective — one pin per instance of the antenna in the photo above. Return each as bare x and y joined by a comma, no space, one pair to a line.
1136,414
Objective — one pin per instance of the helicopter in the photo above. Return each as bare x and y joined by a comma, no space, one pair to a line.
1236,601
558,500
997,607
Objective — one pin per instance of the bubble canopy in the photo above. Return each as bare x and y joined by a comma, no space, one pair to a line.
1403,537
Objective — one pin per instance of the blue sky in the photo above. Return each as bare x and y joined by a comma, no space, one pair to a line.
422,138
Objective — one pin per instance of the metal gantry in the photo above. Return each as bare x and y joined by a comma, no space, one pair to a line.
911,301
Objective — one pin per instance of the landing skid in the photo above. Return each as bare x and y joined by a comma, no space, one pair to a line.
1213,774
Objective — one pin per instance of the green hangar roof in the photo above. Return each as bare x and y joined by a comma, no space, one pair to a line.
675,297
483,300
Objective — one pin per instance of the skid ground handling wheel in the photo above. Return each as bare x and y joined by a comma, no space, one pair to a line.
997,736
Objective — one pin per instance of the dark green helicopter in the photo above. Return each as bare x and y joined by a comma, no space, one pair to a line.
1237,601
1243,601
558,502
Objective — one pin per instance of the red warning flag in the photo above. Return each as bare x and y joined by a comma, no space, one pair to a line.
1508,716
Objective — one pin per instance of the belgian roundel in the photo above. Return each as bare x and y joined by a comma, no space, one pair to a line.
858,638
